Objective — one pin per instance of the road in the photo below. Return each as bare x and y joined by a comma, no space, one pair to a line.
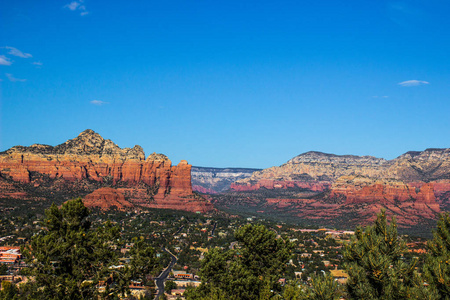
159,281
178,231
212,232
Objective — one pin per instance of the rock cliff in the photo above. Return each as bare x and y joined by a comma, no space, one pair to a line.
95,161
217,180
414,186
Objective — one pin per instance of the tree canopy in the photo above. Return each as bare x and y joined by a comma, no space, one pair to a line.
244,273
69,258
375,266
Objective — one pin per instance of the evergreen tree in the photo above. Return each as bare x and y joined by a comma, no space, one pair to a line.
69,258
322,288
8,291
437,263
169,286
375,267
248,271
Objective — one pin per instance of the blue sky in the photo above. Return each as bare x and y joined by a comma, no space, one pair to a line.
228,83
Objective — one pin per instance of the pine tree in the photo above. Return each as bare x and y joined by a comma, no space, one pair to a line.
437,264
375,266
68,258
322,288
248,273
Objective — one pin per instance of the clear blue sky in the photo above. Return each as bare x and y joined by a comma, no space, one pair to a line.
228,83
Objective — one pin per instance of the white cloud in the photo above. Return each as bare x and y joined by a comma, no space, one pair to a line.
17,52
13,79
77,6
37,63
4,61
73,5
99,102
413,83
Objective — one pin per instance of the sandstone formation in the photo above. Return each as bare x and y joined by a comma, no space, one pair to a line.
92,160
107,198
414,186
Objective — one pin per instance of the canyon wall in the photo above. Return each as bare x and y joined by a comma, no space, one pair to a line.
414,186
89,158
217,180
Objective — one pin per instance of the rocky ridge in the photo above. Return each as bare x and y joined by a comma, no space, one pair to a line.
217,180
95,161
414,186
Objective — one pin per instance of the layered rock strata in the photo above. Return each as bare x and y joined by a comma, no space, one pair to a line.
414,186
91,158
217,180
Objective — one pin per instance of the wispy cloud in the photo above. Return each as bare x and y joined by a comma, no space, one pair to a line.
17,52
413,83
406,14
4,61
37,63
77,6
13,79
99,102
72,5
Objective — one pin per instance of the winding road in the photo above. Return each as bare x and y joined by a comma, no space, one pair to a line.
159,281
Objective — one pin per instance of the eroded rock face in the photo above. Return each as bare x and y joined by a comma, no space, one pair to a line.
107,198
91,158
217,180
414,186
428,165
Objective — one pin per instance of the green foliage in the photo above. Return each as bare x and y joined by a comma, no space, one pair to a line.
246,272
69,258
8,291
319,288
169,286
322,288
437,264
3,269
143,261
375,266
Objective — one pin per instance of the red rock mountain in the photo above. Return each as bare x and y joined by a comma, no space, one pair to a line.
415,186
91,162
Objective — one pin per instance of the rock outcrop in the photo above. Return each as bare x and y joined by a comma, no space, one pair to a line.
414,186
217,180
90,158
107,198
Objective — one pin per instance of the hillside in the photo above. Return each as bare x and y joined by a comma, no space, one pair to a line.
217,180
89,163
344,189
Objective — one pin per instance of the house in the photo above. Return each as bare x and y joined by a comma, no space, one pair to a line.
182,275
186,283
339,275
10,255
177,292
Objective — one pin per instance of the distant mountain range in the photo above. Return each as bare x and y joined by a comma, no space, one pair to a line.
348,189
217,180
313,187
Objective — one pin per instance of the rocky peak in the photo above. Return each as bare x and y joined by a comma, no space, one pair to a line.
86,143
325,158
430,153
157,157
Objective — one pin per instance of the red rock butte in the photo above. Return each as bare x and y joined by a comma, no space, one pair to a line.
151,182
414,186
